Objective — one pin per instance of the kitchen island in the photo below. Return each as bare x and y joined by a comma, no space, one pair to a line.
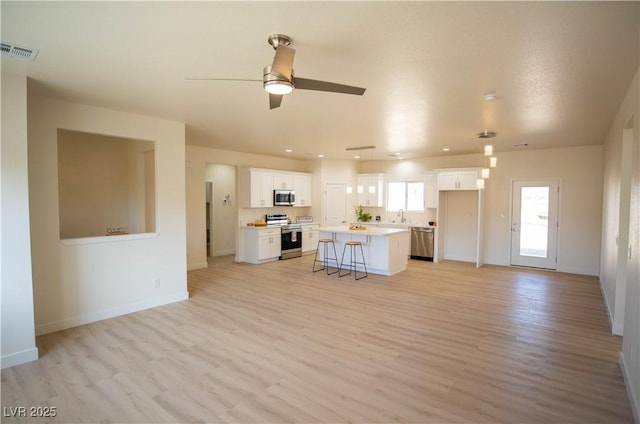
385,249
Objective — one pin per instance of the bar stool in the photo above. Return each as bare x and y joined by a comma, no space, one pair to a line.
325,260
353,263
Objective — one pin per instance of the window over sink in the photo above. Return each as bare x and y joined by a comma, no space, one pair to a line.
405,195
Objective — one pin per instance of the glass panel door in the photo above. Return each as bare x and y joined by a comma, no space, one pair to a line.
534,226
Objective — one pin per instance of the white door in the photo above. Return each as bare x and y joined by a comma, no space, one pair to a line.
534,225
335,204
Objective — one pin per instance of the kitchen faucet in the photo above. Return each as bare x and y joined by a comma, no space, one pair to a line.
401,215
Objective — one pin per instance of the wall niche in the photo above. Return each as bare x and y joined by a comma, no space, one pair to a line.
106,185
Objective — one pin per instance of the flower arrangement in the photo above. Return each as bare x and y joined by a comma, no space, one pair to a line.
362,215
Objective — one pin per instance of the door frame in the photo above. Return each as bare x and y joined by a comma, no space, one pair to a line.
558,224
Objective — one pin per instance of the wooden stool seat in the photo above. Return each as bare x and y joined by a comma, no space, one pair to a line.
326,259
353,260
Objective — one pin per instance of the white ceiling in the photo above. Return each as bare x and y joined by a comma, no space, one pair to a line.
560,70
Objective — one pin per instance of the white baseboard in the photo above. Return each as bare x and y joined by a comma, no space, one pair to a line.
606,305
50,327
633,396
22,357
197,265
224,252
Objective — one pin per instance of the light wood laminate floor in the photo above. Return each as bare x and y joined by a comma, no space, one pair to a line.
274,343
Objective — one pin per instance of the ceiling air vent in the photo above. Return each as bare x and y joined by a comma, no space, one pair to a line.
17,52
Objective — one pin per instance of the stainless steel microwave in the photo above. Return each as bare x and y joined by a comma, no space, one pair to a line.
284,197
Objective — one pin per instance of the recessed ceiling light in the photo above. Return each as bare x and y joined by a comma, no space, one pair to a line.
356,157
489,97
321,156
288,150
445,149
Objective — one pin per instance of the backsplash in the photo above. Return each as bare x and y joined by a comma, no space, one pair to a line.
246,216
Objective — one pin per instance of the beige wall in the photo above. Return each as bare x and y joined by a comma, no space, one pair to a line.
224,214
620,276
106,276
580,172
18,332
93,183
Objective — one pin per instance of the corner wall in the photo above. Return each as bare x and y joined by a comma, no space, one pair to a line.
620,274
18,331
94,279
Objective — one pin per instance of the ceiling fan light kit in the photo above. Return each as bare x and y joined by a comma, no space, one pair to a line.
276,84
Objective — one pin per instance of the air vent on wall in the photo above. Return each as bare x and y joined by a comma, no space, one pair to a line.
17,52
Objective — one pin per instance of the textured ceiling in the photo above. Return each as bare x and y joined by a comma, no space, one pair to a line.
560,70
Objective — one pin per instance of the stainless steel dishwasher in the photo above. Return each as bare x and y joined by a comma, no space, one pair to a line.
422,243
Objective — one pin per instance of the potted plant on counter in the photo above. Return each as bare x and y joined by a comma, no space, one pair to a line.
362,215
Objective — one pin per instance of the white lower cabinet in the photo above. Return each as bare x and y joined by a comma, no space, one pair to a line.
261,244
310,237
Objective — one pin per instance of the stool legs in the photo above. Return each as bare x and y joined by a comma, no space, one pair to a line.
325,260
353,262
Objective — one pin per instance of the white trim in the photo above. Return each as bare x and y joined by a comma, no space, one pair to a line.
62,324
606,305
21,357
634,400
223,252
197,265
108,239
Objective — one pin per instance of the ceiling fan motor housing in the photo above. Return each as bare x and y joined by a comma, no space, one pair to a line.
272,79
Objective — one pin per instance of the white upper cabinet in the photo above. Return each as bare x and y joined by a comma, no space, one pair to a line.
459,179
256,188
370,189
302,187
283,181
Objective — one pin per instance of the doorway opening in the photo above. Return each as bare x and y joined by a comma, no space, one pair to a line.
208,215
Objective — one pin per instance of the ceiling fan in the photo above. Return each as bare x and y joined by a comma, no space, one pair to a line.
278,78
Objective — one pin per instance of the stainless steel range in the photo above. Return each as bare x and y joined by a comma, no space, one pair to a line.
290,235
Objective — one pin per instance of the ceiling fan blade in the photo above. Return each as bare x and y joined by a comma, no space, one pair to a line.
309,84
222,79
283,61
275,100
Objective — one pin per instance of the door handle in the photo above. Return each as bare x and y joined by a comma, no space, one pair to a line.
514,227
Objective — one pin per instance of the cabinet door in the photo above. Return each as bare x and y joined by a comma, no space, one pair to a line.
467,180
369,190
302,187
261,189
447,180
310,237
283,181
376,197
268,246
362,190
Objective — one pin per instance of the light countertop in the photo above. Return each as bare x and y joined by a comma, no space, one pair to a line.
370,231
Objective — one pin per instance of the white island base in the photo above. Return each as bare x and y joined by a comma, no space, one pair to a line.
385,249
